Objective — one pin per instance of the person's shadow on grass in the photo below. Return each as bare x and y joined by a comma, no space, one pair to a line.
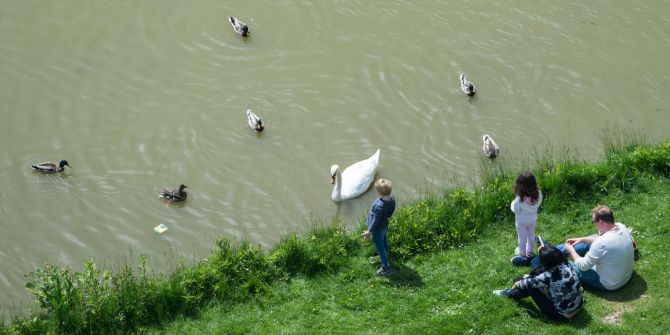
404,276
580,321
634,289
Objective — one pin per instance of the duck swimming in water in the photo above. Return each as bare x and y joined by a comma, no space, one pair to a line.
467,87
239,26
254,121
490,147
174,195
50,167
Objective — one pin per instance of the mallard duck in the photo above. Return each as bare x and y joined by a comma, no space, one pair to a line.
490,147
174,195
51,167
239,26
355,179
254,121
467,87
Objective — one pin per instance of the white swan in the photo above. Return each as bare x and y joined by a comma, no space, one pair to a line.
355,179
490,147
254,121
467,87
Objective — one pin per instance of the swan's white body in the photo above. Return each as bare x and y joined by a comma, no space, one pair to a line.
467,87
254,121
355,179
490,147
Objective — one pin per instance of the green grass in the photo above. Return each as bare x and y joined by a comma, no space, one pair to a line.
450,250
449,292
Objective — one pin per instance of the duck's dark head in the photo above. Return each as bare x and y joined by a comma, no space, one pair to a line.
63,163
471,88
182,187
245,30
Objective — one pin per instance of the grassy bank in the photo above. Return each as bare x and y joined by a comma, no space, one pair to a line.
450,251
449,292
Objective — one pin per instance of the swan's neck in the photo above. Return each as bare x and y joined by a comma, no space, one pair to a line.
337,190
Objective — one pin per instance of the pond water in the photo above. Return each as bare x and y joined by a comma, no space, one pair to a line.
144,95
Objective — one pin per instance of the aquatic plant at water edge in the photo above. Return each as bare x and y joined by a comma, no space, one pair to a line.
322,250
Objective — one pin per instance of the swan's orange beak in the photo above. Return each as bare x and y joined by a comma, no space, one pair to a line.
332,180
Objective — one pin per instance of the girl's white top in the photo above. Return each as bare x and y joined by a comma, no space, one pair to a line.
524,210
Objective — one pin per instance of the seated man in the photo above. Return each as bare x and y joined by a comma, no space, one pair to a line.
608,261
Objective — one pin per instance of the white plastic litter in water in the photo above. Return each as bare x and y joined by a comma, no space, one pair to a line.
161,228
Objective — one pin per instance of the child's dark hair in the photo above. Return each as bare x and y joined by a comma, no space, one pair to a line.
551,257
526,186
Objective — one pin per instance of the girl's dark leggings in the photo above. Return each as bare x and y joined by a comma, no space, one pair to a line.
541,300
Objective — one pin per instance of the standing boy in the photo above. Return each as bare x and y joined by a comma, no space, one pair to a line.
378,223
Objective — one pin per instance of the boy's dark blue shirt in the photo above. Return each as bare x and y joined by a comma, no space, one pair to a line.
380,213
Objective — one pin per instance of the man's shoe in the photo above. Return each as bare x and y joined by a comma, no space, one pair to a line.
521,261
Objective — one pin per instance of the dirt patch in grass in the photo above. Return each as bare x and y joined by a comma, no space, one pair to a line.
615,318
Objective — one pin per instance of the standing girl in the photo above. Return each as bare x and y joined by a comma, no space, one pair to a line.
525,205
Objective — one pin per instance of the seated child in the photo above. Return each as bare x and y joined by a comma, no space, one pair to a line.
554,286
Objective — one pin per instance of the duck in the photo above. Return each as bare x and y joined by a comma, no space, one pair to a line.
355,179
490,147
239,26
51,167
174,195
467,87
254,121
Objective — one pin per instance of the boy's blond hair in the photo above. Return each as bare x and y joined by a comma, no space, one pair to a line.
383,186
